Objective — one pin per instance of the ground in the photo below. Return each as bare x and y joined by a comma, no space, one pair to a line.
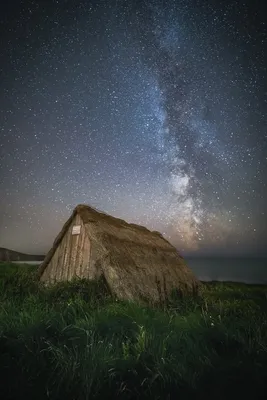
74,341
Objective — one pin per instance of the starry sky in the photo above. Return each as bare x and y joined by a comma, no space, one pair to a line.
153,111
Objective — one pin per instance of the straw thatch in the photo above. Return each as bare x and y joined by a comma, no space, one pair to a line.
135,262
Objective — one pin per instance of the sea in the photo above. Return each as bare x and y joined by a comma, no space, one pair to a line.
235,269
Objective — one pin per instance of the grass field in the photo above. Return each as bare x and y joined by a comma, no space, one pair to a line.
74,341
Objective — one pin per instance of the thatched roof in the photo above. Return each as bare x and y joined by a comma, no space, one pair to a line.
136,262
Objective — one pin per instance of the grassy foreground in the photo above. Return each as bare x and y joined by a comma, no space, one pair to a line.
74,341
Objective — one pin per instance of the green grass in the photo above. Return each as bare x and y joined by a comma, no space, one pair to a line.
75,341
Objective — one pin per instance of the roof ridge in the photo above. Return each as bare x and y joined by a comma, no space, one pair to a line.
123,222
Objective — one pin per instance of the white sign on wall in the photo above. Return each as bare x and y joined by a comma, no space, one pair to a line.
76,229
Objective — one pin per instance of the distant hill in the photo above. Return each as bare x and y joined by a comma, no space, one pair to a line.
11,255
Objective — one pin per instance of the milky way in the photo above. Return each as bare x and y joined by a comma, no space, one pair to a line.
153,111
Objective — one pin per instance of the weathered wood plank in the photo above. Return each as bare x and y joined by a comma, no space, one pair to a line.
80,252
54,265
86,258
65,273
75,245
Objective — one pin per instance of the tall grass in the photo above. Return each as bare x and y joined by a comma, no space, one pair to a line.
75,341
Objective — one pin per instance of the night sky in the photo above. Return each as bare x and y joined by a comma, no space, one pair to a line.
155,112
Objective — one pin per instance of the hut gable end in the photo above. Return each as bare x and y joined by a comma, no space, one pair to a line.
70,253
